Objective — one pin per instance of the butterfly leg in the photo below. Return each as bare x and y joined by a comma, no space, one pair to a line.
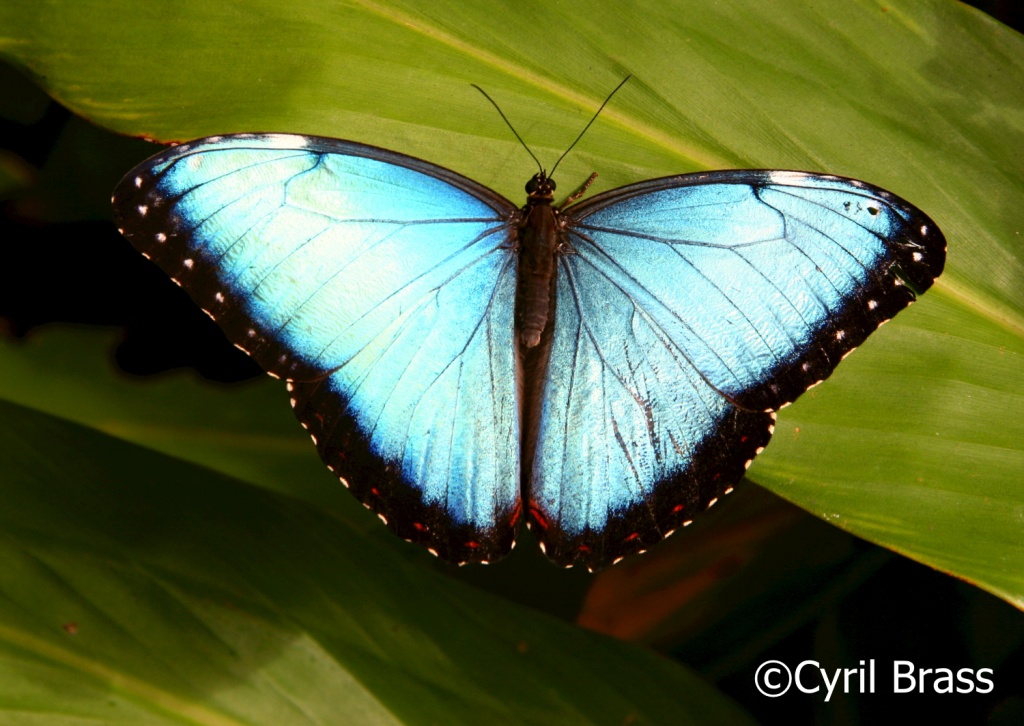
511,244
579,192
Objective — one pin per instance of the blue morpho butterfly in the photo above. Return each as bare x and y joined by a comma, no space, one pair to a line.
613,364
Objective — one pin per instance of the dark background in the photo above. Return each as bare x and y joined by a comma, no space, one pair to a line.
61,223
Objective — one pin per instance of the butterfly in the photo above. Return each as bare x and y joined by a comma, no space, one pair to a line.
605,369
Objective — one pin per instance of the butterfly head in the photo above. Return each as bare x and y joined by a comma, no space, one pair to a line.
540,188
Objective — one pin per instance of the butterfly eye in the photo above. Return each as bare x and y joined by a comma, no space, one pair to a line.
540,183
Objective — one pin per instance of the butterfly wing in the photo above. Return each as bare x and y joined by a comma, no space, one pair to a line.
688,310
381,288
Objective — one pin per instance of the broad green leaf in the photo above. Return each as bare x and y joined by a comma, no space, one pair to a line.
247,431
915,443
925,454
136,588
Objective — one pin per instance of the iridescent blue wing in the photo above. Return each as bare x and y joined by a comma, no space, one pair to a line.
381,288
690,309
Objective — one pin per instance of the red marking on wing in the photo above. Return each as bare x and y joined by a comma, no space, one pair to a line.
538,517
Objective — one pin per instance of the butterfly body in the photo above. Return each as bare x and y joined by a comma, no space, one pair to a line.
606,369
540,238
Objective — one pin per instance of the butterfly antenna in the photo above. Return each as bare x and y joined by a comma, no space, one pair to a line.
591,122
509,124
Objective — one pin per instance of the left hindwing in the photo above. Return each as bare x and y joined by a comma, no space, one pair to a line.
689,309
381,287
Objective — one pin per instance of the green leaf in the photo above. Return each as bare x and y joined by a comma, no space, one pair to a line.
924,453
247,430
136,588
916,442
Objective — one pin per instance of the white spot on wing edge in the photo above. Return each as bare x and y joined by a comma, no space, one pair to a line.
284,141
786,177
142,210
138,182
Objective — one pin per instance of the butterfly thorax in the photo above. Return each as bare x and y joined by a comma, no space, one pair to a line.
539,235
